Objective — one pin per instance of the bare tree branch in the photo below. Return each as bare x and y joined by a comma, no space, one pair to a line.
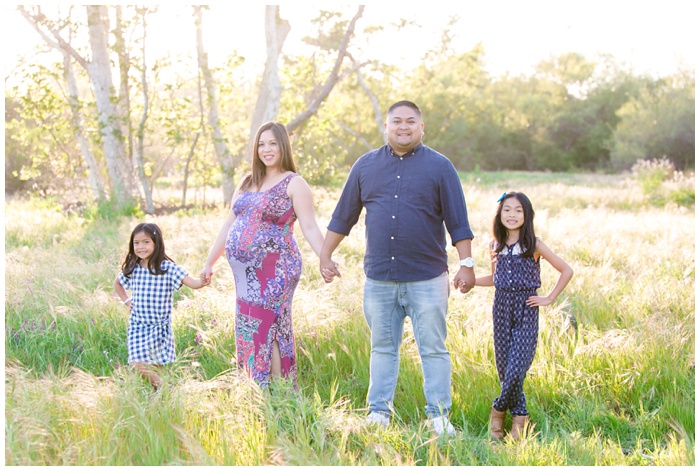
37,21
356,135
378,118
333,77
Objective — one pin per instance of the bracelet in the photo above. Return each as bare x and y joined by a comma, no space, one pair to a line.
126,300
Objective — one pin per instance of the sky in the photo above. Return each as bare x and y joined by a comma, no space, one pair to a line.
652,37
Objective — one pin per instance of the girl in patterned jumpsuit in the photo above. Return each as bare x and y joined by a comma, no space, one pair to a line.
515,272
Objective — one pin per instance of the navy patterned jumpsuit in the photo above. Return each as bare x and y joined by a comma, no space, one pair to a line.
515,325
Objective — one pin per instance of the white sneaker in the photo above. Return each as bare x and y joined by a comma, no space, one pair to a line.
375,418
442,425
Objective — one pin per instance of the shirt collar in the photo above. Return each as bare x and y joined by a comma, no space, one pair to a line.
407,154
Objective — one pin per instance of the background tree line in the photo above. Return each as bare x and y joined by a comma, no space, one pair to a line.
107,123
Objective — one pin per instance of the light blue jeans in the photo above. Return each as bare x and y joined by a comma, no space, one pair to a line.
386,304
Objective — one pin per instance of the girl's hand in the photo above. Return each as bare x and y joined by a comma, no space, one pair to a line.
534,301
195,283
461,285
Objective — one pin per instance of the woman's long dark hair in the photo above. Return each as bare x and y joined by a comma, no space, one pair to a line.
157,257
526,238
258,169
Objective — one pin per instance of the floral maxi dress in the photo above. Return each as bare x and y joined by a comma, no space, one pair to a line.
266,265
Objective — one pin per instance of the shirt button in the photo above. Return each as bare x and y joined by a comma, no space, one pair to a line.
396,196
392,258
398,176
393,217
392,237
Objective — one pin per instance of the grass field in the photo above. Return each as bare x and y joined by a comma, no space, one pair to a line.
613,381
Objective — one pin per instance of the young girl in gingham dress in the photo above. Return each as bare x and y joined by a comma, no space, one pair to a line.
515,272
152,277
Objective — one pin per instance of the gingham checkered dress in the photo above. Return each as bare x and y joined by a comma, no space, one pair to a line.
150,336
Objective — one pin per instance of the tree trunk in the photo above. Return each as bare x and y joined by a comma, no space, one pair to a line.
138,155
226,160
194,143
124,65
94,177
270,93
100,74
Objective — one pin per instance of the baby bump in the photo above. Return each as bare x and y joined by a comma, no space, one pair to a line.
241,244
268,279
247,243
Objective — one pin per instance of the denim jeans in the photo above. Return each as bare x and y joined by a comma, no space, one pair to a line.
386,304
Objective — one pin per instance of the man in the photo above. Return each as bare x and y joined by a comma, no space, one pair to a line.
411,194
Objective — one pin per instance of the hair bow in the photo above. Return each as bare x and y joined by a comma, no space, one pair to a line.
501,198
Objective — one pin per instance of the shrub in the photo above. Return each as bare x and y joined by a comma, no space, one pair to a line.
662,183
651,173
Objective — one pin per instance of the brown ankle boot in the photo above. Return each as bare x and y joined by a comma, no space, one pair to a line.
520,425
496,423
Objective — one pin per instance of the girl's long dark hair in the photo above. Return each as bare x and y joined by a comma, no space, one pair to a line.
258,169
156,260
526,238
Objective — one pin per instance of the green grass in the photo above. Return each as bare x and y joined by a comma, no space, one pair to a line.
613,381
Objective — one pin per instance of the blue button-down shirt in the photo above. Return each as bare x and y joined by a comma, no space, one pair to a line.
410,200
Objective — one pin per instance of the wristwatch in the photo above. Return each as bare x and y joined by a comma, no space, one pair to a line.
467,262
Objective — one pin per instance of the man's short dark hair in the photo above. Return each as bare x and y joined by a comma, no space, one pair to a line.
398,104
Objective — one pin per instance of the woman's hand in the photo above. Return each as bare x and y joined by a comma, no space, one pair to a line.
206,274
329,269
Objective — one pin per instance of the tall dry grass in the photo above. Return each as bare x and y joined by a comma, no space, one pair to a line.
612,382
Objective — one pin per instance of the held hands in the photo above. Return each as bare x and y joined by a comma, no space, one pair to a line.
329,270
205,275
205,282
465,279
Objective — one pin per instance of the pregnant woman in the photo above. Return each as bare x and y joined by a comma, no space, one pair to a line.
258,238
